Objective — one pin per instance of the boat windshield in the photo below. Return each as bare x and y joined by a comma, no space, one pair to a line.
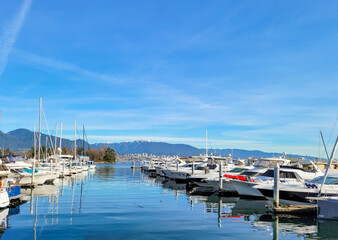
282,174
329,180
251,174
238,170
268,163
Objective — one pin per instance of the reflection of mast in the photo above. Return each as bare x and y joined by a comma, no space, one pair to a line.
36,216
81,196
62,186
71,208
52,205
275,228
57,209
220,212
32,201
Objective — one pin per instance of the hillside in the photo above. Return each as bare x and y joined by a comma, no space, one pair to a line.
156,148
22,139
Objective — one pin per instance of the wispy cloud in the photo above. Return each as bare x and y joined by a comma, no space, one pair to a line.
10,34
66,66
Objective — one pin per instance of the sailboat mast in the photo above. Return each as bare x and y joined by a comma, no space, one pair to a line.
2,149
56,137
75,144
83,150
61,136
33,166
34,142
319,147
328,166
206,142
46,148
39,139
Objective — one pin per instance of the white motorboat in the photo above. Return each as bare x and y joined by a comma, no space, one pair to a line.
226,183
169,164
288,175
304,193
185,171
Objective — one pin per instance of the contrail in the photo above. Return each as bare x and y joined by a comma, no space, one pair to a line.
10,33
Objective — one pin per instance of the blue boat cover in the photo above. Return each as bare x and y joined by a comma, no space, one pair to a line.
14,191
27,170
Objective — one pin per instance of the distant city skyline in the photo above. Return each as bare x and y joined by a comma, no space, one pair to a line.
259,75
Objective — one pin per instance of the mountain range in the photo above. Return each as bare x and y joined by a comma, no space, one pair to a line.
22,139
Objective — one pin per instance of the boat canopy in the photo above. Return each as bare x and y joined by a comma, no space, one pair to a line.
12,159
271,162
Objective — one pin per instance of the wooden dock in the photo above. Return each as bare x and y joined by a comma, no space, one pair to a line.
28,185
295,209
16,201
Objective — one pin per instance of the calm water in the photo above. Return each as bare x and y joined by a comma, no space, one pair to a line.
115,202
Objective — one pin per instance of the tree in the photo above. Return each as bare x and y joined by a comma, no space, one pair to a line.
9,152
29,153
96,155
67,151
79,151
109,155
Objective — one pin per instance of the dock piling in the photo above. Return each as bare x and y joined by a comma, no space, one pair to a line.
220,183
276,187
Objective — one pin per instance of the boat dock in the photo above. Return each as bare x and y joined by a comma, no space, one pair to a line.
299,209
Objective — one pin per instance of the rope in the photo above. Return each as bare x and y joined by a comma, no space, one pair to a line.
334,126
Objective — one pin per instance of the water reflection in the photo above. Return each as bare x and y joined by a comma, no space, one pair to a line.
47,197
285,224
3,220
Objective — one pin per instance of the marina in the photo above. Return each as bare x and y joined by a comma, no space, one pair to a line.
119,202
168,120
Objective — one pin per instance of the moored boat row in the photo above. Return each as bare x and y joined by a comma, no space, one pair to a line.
16,172
247,178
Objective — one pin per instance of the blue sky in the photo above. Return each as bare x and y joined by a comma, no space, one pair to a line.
257,74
